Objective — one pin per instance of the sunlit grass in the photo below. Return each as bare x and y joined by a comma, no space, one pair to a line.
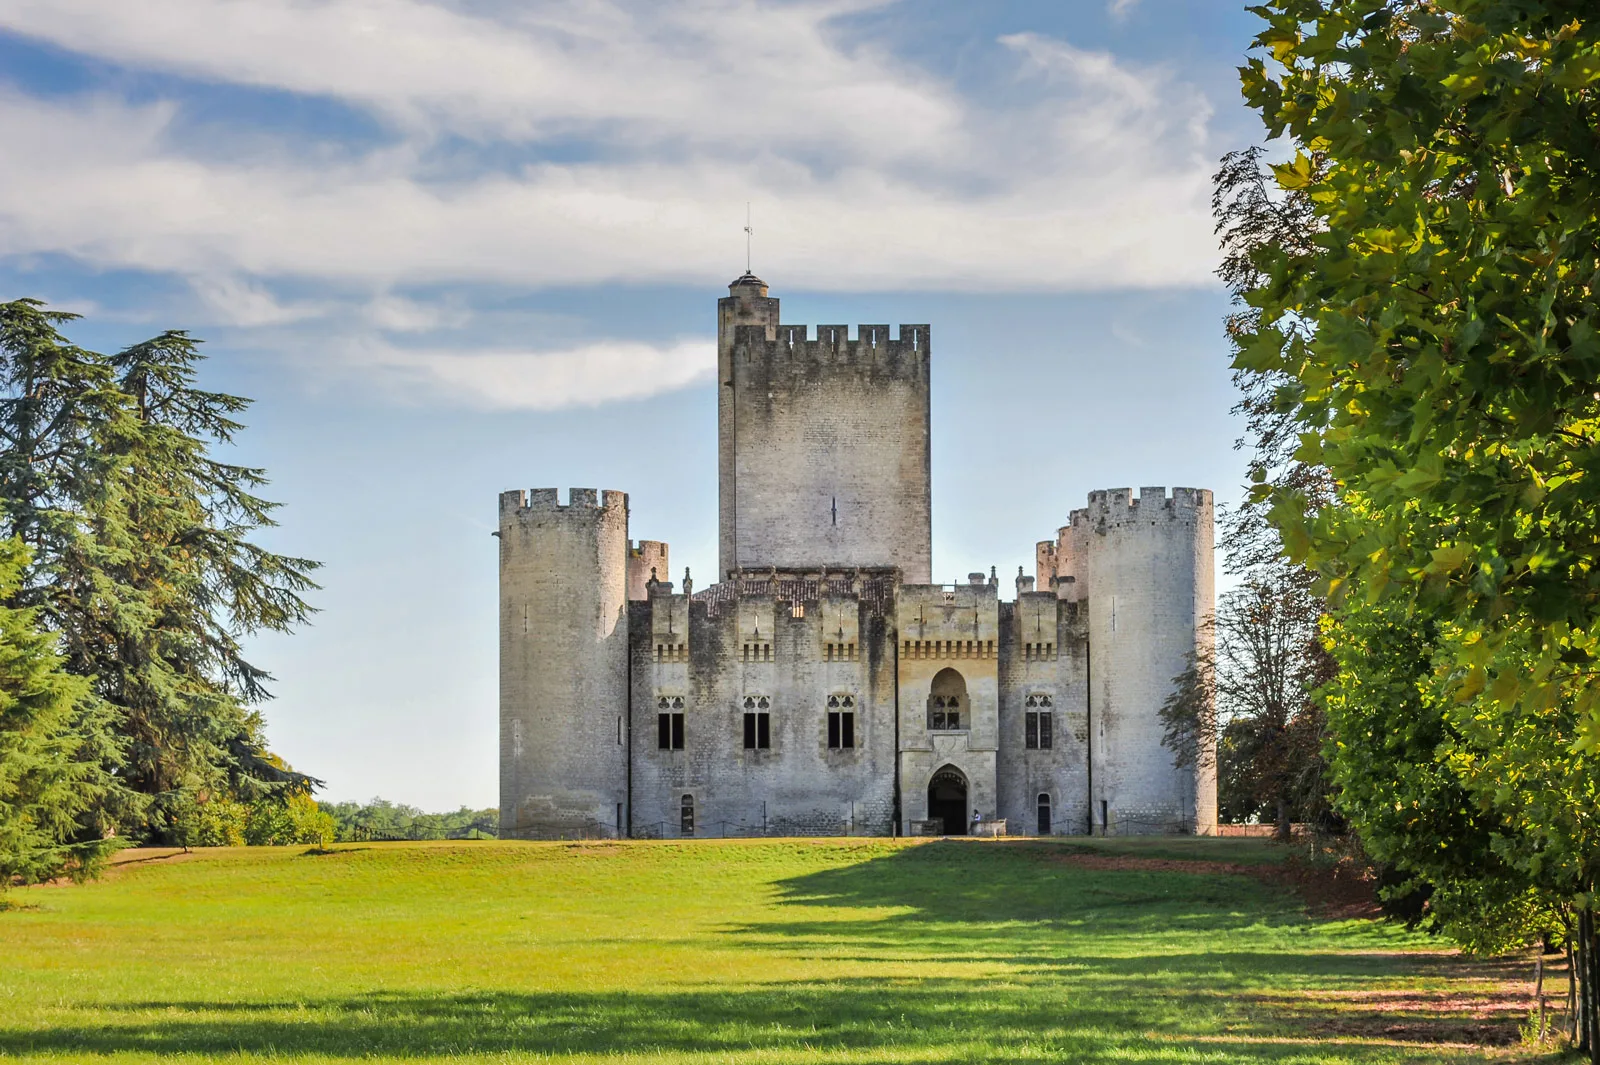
749,951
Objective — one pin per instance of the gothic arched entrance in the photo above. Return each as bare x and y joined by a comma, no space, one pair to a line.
947,800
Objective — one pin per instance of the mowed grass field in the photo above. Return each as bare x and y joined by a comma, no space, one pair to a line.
727,951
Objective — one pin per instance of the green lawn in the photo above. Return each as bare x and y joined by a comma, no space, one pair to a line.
738,951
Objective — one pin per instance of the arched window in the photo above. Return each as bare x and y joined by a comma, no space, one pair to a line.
669,723
841,721
757,722
947,701
686,817
1044,813
1039,722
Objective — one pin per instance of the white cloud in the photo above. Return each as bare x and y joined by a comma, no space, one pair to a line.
240,302
866,172
1088,208
397,314
1120,9
716,71
524,380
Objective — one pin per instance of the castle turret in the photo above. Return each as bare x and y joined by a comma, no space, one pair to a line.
646,558
1145,569
563,663
823,442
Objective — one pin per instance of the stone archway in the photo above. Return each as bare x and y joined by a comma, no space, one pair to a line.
947,800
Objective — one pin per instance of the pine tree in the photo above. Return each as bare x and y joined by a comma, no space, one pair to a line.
143,561
47,786
177,522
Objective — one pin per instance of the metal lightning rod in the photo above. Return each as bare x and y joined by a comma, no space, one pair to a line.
747,232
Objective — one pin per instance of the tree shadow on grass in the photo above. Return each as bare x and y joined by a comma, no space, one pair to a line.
1215,943
945,1020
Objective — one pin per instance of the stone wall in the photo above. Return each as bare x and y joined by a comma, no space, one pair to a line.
563,663
1144,568
823,441
948,627
1043,655
756,641
648,558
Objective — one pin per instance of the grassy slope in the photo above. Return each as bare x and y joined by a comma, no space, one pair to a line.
749,951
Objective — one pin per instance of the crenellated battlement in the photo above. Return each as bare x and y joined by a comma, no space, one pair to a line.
647,549
1152,504
799,588
548,499
648,559
872,348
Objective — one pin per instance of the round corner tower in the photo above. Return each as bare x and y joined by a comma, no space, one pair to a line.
1145,566
563,663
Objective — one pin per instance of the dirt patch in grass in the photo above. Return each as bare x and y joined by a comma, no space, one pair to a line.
1340,891
1332,892
122,858
136,855
1492,1017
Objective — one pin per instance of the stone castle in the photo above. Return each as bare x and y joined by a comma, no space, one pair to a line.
824,685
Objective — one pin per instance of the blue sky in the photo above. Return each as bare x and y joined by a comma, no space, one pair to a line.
453,248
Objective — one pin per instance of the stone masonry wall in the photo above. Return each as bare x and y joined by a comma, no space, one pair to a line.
563,663
754,645
948,627
1144,568
824,443
646,559
1043,644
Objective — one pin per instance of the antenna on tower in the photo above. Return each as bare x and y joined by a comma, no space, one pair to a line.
747,232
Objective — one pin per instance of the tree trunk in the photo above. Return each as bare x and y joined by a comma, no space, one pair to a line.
1538,987
1588,987
1572,990
1280,831
1580,1016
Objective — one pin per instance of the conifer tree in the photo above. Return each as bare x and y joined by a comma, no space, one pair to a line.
46,785
143,561
176,522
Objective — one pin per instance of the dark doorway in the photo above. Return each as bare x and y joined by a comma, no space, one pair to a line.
947,800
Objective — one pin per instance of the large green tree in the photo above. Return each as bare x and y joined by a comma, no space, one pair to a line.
48,780
1436,342
144,561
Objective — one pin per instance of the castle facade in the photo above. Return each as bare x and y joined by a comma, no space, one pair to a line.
824,685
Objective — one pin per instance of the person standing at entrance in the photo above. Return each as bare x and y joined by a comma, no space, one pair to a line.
977,819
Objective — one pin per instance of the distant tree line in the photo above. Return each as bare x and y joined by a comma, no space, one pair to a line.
129,575
380,819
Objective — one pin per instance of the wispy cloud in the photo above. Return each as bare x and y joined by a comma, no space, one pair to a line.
622,141
535,380
1120,9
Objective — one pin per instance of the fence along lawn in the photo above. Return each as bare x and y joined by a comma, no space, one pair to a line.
722,951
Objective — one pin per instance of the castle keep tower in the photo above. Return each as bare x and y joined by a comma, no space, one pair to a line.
1144,569
822,444
563,663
